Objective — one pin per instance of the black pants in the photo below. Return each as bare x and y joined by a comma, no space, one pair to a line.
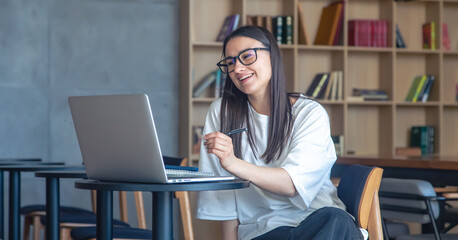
326,223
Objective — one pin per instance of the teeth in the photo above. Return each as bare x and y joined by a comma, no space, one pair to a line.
246,76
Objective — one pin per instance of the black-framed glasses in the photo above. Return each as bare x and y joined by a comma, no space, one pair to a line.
246,57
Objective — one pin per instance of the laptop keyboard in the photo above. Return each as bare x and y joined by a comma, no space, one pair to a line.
186,173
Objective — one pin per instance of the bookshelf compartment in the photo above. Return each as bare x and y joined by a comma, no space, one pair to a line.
203,30
288,61
336,119
204,60
406,117
450,17
311,62
410,18
410,65
450,79
369,130
369,71
312,15
450,132
364,9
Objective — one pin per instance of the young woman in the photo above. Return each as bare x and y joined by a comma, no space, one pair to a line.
287,152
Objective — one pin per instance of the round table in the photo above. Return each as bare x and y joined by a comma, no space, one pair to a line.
162,201
52,197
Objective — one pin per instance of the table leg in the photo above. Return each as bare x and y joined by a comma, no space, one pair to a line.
14,205
162,216
104,215
2,215
52,208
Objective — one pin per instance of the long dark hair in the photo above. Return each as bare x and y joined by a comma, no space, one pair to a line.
234,105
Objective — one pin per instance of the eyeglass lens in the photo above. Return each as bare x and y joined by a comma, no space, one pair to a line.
246,57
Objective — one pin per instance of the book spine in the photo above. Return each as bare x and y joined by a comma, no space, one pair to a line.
419,88
428,88
319,86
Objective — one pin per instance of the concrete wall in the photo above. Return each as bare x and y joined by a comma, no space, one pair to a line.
52,49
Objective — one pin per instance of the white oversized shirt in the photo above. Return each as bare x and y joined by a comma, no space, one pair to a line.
308,158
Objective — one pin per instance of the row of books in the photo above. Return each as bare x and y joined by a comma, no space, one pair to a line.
367,33
422,137
420,88
215,79
360,94
280,26
326,86
230,24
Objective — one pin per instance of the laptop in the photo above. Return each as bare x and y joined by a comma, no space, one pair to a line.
118,140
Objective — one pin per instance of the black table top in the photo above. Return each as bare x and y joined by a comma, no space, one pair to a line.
160,187
21,159
38,167
77,173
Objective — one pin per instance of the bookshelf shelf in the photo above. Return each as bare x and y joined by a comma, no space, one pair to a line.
373,128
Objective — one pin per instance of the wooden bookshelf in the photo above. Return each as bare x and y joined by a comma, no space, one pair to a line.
370,128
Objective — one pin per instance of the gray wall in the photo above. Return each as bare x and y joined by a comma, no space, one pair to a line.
52,49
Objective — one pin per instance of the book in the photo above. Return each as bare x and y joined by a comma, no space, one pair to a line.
427,89
422,137
370,94
227,27
408,151
218,85
287,31
319,87
413,88
277,27
338,144
429,35
196,138
235,23
314,84
339,85
329,20
338,38
303,36
400,43
420,86
445,37
332,77
204,83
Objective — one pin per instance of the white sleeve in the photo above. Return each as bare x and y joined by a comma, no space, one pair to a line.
311,155
214,205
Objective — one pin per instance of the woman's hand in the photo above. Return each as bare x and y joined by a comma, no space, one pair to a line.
221,145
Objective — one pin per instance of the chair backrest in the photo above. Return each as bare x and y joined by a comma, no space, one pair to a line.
411,210
358,190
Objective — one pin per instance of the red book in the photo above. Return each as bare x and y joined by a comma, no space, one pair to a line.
445,37
365,33
352,36
374,33
384,33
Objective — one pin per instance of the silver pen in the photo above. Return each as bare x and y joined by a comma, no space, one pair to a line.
236,131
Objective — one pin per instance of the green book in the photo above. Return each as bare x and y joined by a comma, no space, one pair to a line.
420,86
413,88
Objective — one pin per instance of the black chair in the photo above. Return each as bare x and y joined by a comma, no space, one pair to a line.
411,200
358,190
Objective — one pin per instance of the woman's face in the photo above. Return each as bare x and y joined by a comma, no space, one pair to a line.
253,79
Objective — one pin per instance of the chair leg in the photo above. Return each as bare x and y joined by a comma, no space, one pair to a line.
65,233
36,228
185,209
27,224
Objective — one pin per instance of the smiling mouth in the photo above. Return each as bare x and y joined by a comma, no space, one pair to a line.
246,76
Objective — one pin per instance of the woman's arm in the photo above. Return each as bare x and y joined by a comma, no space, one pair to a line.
229,229
275,180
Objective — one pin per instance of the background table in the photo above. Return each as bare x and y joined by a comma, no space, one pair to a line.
439,171
15,191
162,201
53,198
